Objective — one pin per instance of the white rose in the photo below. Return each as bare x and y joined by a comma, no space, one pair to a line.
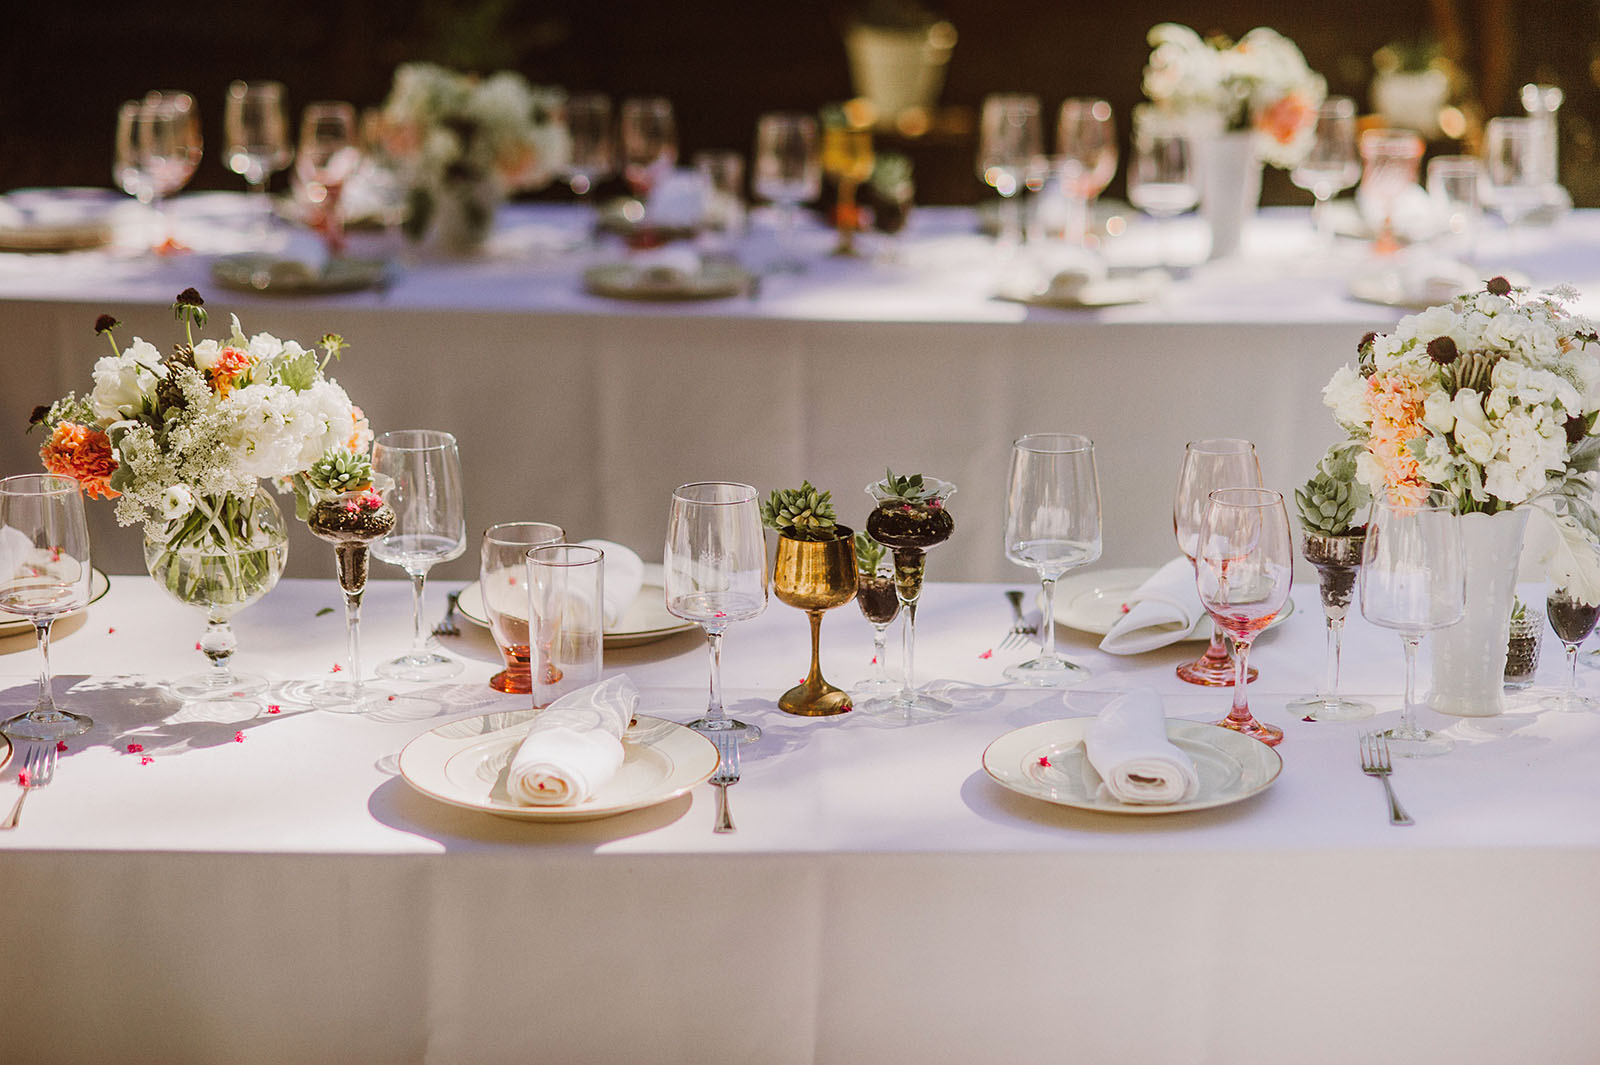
1369,471
1438,412
176,502
145,354
206,354
1346,395
121,384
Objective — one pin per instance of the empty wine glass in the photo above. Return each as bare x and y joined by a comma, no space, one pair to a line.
503,582
788,171
429,528
329,155
1244,569
593,157
649,134
1086,159
1332,163
1413,580
1162,179
1515,158
714,573
1220,462
44,574
1010,142
1572,620
1052,526
1390,160
256,130
126,168
1455,184
165,145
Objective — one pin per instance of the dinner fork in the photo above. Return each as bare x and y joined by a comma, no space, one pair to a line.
1020,628
727,772
38,769
447,625
1375,763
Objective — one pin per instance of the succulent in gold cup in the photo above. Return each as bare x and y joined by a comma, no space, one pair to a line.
815,571
911,518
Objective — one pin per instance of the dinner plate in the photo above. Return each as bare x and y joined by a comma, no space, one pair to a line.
55,220
261,272
16,624
645,621
1048,761
625,281
1392,290
1092,601
5,750
1105,292
464,764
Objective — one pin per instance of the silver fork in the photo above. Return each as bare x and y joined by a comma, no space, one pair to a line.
447,625
1375,763
38,769
1021,630
727,772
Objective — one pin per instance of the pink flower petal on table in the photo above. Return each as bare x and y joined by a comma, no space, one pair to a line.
1045,761
987,654
61,746
274,708
238,737
23,778
146,760
135,748
337,668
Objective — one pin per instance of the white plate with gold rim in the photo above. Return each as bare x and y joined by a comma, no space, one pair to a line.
1047,761
464,763
645,621
1093,601
15,624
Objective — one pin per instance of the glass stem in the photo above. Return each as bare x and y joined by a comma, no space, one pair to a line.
1077,229
1047,641
1408,713
218,645
714,712
352,628
909,649
419,641
880,650
1241,680
1572,672
1330,672
1011,221
45,705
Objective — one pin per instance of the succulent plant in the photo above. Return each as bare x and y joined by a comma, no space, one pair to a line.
340,471
800,513
869,555
1331,500
910,490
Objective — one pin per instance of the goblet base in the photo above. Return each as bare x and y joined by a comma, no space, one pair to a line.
876,689
1418,743
1211,672
1570,702
421,667
1044,672
1331,708
706,727
55,725
218,688
512,681
342,697
1270,735
819,700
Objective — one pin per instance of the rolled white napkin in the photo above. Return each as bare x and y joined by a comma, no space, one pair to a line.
624,578
574,746
1161,611
1128,746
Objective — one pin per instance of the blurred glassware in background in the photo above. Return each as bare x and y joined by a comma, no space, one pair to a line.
328,157
594,144
1333,164
1541,102
1516,161
649,134
847,157
256,134
1390,162
1455,183
1010,148
1162,179
158,147
892,191
788,172
1086,159
723,174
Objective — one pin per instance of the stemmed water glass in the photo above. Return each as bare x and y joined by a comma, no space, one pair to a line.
1086,159
256,129
788,171
429,527
649,135
1573,620
1010,143
1244,569
1390,160
329,155
158,148
1162,178
1515,158
715,573
44,574
1413,580
1207,466
1052,526
1332,164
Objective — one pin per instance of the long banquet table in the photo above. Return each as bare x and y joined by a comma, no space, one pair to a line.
587,412
269,890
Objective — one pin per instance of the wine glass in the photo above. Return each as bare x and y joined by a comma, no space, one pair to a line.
1515,160
257,133
1162,178
1332,164
1086,159
502,579
1208,465
1455,184
1052,526
880,605
1244,569
126,167
593,158
714,569
1390,159
166,144
788,171
848,158
1573,620
1413,580
649,135
329,155
429,527
44,574
1010,142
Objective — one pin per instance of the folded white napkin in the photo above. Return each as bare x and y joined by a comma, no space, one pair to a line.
678,199
1128,746
669,264
624,578
1161,611
574,746
304,258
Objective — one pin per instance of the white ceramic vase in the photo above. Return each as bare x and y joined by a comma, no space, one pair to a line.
1469,657
1230,187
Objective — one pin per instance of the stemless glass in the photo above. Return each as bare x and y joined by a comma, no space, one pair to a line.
1162,179
1332,164
649,135
1220,462
566,617
1390,159
1573,620
1413,580
1516,164
1455,184
44,573
329,155
429,527
1086,159
167,145
1244,569
502,579
257,133
714,573
1052,526
788,171
1010,142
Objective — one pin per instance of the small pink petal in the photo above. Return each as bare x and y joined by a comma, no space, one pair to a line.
23,778
135,748
1045,761
146,760
238,737
274,708
987,654
111,632
337,668
61,746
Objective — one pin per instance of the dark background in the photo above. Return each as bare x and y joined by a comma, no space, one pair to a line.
68,64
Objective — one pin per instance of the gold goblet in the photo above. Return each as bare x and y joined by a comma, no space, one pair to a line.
815,575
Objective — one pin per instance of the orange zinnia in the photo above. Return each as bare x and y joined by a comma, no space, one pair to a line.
83,452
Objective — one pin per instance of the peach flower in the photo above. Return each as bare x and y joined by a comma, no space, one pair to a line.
83,452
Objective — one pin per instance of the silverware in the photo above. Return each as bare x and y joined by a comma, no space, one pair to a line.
38,769
1021,630
727,772
1375,763
447,625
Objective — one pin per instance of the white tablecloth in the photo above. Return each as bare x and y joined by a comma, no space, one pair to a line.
588,412
268,890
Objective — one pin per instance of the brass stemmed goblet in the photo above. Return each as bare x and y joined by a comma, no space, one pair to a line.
814,576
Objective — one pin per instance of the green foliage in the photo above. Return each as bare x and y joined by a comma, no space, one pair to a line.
869,555
910,490
800,513
1331,502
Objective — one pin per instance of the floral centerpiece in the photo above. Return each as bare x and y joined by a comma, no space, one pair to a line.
462,144
1491,402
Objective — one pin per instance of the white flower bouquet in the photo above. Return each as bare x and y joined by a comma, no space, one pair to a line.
1260,82
1491,399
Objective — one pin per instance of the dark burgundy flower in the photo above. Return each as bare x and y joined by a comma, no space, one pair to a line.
1443,350
1498,286
105,324
39,414
190,298
1577,429
1366,342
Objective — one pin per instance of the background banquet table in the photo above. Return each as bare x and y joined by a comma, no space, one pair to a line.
269,890
587,412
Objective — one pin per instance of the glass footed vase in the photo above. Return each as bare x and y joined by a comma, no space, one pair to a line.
351,522
815,575
1338,562
910,531
220,557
